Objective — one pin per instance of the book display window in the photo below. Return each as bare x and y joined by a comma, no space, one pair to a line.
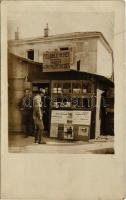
72,94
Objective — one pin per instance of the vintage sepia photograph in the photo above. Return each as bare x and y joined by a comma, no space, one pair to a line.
60,81
63,100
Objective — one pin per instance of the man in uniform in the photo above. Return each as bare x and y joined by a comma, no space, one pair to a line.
37,116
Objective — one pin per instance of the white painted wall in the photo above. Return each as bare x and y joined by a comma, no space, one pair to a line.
82,49
93,55
87,55
104,60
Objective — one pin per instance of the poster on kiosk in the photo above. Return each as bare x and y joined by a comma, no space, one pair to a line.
74,125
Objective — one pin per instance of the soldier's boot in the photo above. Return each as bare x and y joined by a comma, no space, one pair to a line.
36,135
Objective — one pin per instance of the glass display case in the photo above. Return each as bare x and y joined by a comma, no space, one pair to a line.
72,94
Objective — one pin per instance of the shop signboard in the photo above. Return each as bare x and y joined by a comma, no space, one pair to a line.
71,123
56,61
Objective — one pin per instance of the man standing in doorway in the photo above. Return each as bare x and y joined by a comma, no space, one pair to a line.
26,106
103,113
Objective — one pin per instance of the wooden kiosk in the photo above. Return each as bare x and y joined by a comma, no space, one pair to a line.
73,102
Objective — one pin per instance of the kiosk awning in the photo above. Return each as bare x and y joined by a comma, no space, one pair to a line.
67,75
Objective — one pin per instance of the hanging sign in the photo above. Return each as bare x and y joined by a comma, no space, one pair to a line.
56,61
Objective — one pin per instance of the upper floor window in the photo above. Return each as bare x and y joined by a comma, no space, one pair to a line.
30,54
78,65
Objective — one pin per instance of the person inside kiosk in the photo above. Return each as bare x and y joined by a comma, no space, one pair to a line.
46,111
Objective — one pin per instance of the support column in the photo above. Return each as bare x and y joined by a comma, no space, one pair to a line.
98,120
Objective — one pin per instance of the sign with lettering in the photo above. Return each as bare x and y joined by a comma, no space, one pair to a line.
75,117
56,60
59,116
82,117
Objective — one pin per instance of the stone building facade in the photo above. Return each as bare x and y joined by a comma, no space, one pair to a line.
90,48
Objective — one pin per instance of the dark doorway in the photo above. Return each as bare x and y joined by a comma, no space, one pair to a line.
93,123
40,85
107,115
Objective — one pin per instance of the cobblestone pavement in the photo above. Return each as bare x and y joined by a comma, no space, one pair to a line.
19,144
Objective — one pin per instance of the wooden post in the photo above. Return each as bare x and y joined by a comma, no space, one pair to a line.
98,120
